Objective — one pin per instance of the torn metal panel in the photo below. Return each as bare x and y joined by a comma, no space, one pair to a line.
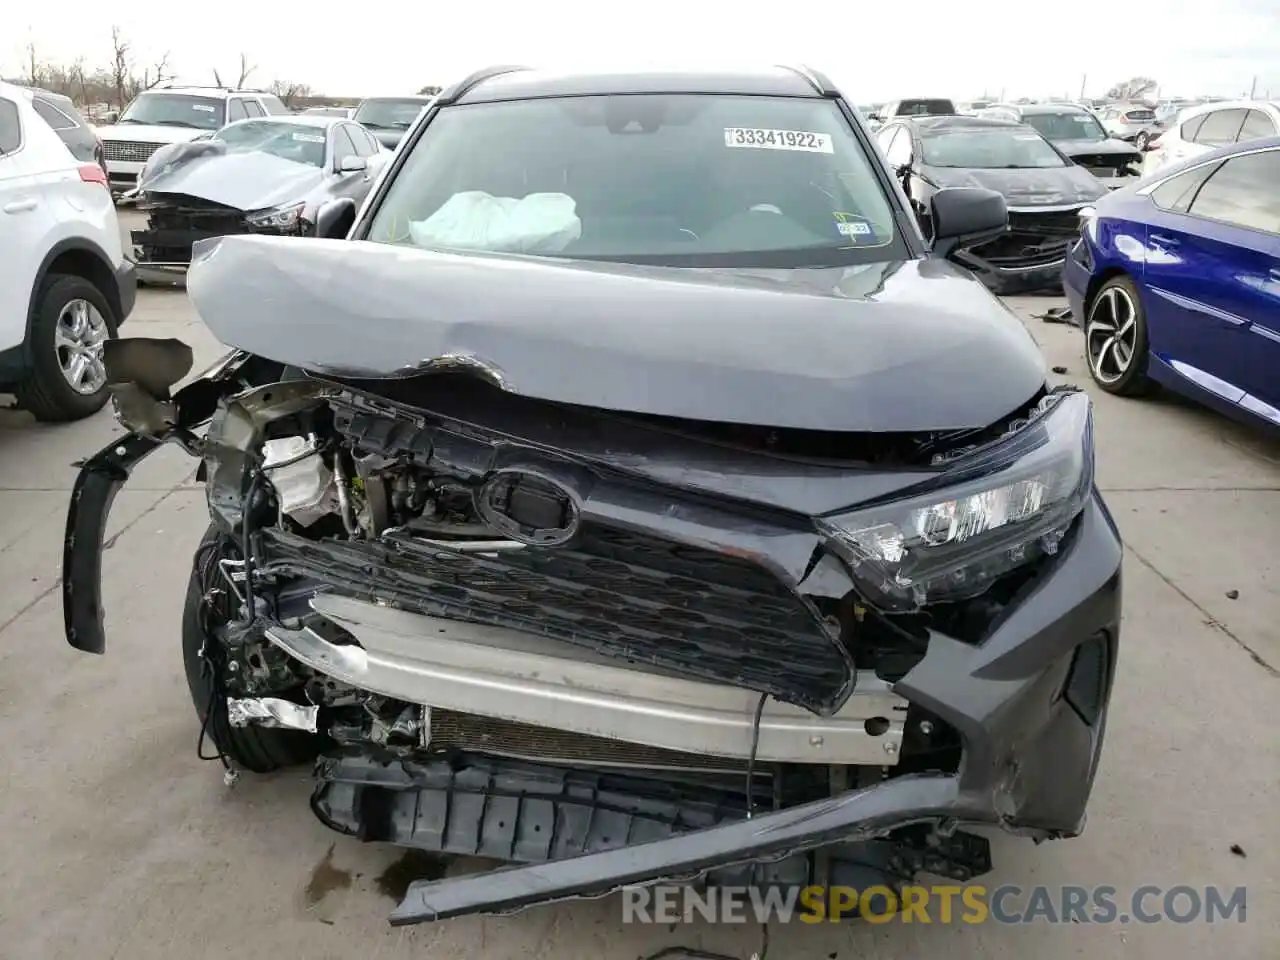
271,712
678,343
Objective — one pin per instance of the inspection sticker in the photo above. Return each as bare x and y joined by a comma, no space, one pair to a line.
309,137
853,228
203,107
765,139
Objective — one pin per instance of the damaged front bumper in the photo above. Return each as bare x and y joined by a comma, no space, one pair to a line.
1027,705
1029,257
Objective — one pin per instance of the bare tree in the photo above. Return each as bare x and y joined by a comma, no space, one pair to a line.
121,67
429,91
1133,89
156,74
289,92
245,71
36,71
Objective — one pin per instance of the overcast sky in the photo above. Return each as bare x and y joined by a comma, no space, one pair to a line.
874,50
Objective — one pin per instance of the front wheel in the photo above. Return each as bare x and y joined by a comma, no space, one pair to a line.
1142,141
259,749
1115,339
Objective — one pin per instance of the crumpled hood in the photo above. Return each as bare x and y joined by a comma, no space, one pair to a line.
1084,148
245,180
906,346
1027,187
147,133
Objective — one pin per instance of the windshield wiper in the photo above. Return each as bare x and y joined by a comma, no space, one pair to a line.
128,120
377,126
176,123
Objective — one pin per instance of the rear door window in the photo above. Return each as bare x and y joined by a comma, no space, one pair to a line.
53,116
10,127
1256,126
1220,128
1244,191
1187,132
253,108
1176,193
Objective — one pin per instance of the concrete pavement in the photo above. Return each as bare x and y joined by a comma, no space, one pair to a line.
118,842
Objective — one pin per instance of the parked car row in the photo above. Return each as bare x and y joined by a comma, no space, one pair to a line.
168,115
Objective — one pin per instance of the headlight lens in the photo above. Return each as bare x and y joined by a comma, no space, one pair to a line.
277,218
995,509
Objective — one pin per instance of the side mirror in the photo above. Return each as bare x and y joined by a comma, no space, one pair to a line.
876,117
350,164
335,218
966,215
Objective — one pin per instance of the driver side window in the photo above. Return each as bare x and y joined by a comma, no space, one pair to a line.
899,152
342,147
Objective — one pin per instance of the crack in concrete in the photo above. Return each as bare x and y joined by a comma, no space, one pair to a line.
1209,618
57,582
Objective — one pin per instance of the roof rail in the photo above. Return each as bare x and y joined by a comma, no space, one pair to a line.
820,83
467,84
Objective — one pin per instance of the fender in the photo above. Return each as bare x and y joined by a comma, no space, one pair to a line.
68,245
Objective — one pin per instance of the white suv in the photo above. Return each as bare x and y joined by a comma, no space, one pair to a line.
65,285
1209,126
164,115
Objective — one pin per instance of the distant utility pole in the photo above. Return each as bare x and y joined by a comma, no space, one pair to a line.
1253,87
1083,80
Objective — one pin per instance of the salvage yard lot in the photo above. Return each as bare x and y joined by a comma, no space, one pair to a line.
120,843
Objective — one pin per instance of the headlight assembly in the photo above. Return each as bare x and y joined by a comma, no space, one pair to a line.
994,509
284,217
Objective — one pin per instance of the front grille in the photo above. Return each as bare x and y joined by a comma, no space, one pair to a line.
129,151
1033,240
171,231
641,599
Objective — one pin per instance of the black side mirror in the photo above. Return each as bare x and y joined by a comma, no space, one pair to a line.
335,218
964,216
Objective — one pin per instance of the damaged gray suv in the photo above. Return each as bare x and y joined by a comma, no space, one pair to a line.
627,491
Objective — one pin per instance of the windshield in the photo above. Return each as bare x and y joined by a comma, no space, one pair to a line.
977,148
679,180
176,110
389,114
289,141
1066,126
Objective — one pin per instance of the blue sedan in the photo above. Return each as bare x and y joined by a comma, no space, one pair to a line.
1176,281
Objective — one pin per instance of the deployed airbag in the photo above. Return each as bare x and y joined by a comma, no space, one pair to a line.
475,220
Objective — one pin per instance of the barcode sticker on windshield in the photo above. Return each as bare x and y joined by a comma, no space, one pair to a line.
765,139
203,108
309,137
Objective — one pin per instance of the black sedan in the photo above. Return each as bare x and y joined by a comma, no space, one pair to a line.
1043,190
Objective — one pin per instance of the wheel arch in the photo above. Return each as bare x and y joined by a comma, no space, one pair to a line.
76,257
1096,283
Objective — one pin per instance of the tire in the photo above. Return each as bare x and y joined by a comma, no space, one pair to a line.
258,749
46,391
1141,141
1109,337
